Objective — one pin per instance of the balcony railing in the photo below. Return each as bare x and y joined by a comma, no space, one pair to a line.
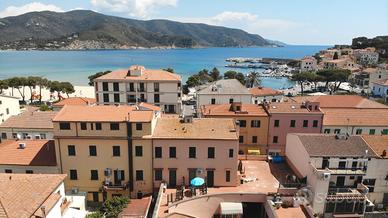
115,186
348,192
348,171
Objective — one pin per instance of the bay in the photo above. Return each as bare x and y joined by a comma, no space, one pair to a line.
76,66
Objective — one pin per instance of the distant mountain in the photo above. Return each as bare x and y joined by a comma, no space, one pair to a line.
87,29
276,43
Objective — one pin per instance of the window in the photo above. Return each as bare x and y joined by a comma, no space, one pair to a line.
192,152
106,97
372,131
142,98
358,131
138,151
327,131
241,139
231,153
370,183
342,165
315,123
139,175
243,123
114,126
131,87
384,132
8,171
305,123
104,86
211,152
73,175
14,135
213,101
142,87
116,151
71,150
29,172
83,126
116,87
156,98
292,123
116,98
42,136
230,100
276,123
255,123
98,126
131,99
337,131
4,135
172,152
179,94
139,126
254,139
64,126
92,150
158,174
93,175
95,197
227,176
156,87
158,152
275,139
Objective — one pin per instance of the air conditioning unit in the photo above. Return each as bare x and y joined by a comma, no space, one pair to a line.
22,145
326,176
74,190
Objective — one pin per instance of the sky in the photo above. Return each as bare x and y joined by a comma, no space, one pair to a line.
302,22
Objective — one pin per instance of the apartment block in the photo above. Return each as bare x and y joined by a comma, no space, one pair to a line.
265,94
138,84
9,106
308,63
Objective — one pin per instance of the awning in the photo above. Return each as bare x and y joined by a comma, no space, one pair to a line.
252,151
231,208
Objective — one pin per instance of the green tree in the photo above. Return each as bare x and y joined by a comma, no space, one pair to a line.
338,76
169,69
112,208
335,56
302,78
253,80
67,88
55,86
3,85
215,74
31,83
193,81
96,75
96,214
241,77
42,83
230,74
18,83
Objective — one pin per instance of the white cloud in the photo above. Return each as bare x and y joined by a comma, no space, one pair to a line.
134,8
33,6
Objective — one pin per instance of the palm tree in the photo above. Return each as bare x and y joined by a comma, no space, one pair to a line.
253,79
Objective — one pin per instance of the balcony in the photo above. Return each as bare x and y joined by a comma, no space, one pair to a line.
348,171
110,186
347,193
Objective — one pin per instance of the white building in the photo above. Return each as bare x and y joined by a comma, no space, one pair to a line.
225,91
366,56
9,106
308,63
264,94
335,167
137,84
380,88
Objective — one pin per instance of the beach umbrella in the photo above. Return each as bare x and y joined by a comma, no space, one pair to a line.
197,181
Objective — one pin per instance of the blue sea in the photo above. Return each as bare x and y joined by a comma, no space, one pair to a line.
76,66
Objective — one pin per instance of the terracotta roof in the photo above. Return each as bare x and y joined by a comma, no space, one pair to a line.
369,70
145,106
147,75
48,204
318,145
76,101
103,113
379,144
340,101
205,128
289,107
355,117
23,194
309,58
264,91
383,82
136,208
31,120
36,153
225,110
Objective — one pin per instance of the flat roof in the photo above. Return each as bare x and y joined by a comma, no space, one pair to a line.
320,145
355,117
35,153
226,110
104,113
225,86
29,192
199,128
31,119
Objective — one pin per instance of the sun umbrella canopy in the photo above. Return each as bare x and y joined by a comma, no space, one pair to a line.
197,181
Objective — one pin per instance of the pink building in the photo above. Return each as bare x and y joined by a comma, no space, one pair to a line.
291,117
206,148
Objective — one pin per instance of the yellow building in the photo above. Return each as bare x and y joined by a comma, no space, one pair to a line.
106,150
253,124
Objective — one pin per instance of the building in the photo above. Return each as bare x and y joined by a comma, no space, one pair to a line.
288,117
264,94
380,89
9,106
189,148
31,124
35,195
343,63
225,91
106,150
73,101
138,84
308,63
335,166
28,156
363,77
366,57
253,123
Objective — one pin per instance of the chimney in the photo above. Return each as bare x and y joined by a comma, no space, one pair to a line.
384,154
236,106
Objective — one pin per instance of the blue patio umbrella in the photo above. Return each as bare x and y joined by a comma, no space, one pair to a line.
197,181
